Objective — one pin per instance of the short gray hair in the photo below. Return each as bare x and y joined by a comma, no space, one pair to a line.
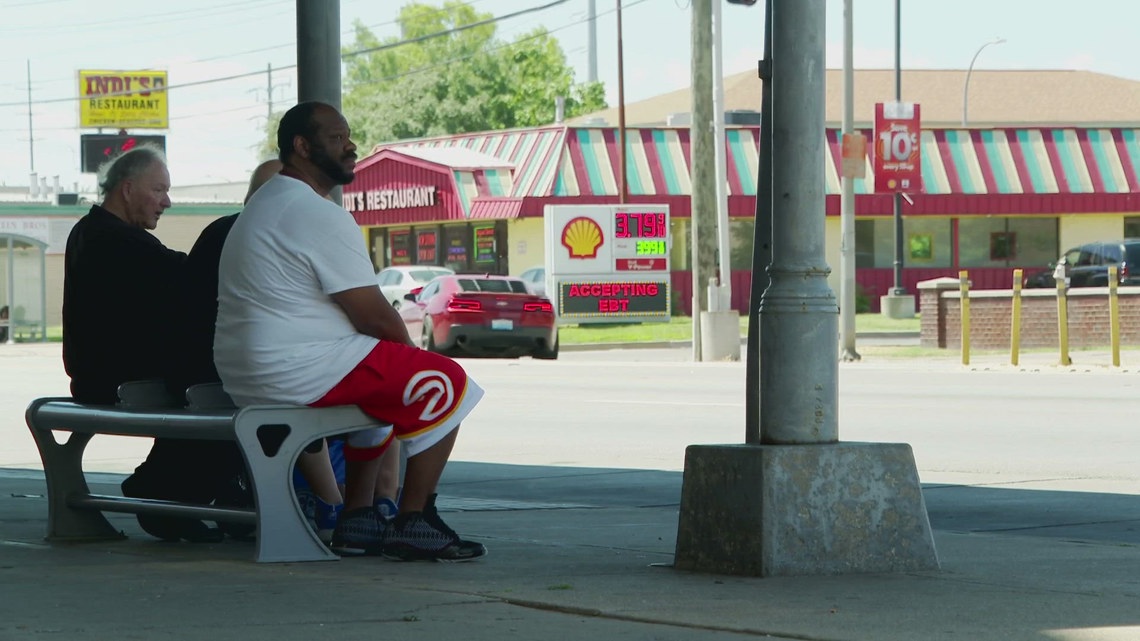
127,165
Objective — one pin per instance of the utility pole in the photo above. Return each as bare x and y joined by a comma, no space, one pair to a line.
269,91
623,181
592,41
31,136
702,216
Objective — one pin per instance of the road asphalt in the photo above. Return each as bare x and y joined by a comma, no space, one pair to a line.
585,553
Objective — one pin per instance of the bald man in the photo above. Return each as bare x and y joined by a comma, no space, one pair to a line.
189,469
195,363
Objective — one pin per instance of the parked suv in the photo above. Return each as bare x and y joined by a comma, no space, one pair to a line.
1087,265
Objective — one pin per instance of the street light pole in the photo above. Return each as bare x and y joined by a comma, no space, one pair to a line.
966,85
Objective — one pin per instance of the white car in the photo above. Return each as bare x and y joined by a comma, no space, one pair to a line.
398,280
535,279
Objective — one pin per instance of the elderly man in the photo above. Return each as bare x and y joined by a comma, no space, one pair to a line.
301,320
120,290
117,285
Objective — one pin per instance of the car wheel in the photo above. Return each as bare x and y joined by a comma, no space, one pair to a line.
548,354
396,305
428,340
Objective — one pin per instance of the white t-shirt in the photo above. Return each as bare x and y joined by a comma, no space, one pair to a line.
280,337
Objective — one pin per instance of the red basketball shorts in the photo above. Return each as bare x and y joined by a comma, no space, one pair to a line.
423,395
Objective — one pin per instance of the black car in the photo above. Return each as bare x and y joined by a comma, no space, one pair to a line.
1087,265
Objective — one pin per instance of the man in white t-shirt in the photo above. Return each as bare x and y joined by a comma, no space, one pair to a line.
301,320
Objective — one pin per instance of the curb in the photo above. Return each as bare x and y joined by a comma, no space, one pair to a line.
586,347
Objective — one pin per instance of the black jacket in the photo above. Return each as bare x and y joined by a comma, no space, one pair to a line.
120,286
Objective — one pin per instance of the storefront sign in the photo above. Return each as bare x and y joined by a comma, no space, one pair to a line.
485,244
608,262
383,199
123,99
35,228
898,157
400,243
606,300
426,242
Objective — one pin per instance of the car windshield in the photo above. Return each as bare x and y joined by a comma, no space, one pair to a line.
424,275
1132,254
496,285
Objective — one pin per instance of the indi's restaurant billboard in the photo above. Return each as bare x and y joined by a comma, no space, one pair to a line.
123,99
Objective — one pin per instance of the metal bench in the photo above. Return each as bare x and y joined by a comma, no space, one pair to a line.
271,438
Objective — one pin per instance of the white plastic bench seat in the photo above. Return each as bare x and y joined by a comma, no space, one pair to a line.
271,438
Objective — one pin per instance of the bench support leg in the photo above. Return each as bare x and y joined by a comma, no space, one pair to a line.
63,471
283,535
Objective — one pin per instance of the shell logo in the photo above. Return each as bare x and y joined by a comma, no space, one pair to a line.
582,236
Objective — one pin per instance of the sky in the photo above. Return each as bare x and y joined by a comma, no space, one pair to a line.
215,125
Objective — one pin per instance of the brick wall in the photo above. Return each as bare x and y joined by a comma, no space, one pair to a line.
991,317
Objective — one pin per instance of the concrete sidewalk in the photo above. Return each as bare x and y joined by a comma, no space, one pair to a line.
585,553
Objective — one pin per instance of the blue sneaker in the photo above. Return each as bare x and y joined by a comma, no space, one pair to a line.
387,508
322,517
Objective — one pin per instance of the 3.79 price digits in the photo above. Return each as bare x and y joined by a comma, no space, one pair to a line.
640,225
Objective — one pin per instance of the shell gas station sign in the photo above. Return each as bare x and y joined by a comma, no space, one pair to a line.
607,263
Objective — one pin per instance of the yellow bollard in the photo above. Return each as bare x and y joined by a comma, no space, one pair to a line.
1015,324
1063,321
1113,316
964,288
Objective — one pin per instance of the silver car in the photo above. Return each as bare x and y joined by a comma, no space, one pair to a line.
535,279
398,280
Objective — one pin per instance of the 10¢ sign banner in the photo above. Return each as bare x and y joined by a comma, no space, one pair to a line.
898,156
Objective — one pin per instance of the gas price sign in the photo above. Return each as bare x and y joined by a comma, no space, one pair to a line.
607,263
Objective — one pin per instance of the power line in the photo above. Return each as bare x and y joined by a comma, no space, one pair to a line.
543,33
389,46
448,32
250,74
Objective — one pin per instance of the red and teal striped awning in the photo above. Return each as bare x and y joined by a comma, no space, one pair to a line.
561,161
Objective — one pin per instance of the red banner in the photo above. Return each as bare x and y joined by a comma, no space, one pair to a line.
898,154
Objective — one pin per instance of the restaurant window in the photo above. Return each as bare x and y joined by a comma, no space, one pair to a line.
400,247
486,250
1132,226
376,252
427,244
457,244
1005,241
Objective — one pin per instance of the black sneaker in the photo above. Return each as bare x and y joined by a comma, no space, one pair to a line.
423,536
360,532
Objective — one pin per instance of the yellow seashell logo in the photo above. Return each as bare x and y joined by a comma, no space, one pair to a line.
582,236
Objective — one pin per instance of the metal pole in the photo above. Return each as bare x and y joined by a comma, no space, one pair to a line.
11,292
623,188
970,70
724,246
761,242
799,319
318,56
897,209
847,197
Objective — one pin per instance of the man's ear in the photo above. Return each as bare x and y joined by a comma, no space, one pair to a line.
301,146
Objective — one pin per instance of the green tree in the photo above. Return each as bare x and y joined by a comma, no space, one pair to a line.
466,80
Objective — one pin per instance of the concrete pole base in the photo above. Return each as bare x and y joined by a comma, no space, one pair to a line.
794,510
896,306
720,336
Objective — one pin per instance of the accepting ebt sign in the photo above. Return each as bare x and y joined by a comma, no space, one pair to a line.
897,158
